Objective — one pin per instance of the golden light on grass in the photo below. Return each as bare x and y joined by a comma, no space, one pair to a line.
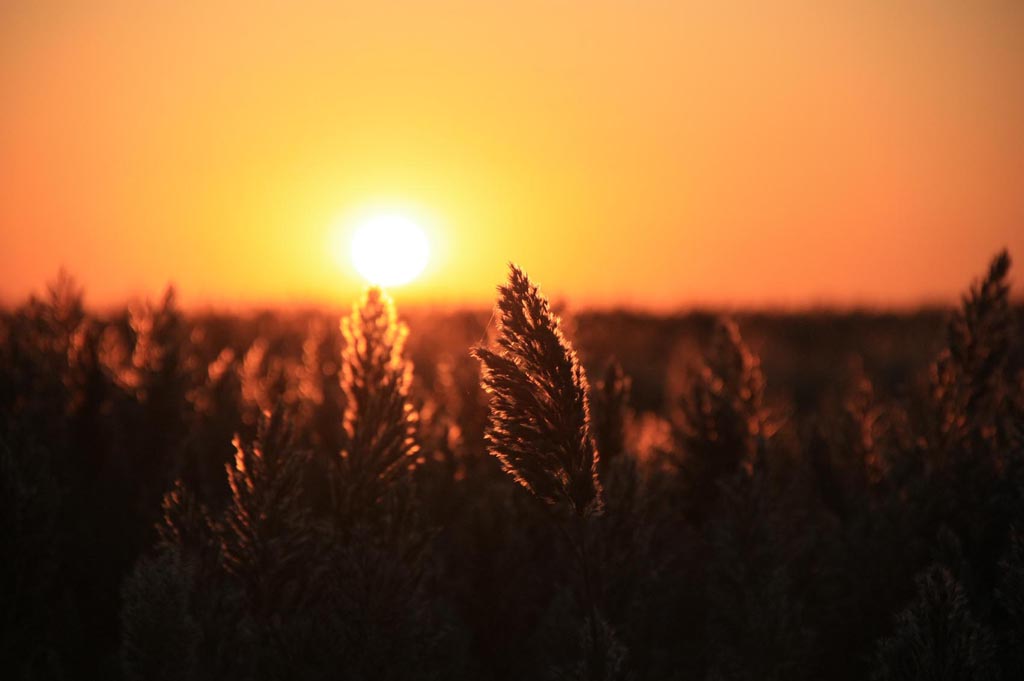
389,250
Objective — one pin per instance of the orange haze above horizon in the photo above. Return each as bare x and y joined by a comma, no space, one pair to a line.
651,153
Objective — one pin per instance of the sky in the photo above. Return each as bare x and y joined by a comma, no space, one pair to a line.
657,154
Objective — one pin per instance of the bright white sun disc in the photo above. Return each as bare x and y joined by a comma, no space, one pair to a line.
390,250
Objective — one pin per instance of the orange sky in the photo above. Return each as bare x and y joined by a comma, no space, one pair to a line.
654,153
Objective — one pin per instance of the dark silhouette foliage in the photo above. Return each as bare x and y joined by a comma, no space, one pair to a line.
540,410
379,419
937,637
280,496
720,422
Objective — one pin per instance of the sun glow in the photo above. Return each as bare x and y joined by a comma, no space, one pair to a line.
390,250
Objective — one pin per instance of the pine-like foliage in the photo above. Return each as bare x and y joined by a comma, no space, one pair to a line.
845,454
720,423
971,447
937,637
380,421
539,425
186,524
970,381
267,534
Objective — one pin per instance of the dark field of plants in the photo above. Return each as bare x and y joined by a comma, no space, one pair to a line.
508,495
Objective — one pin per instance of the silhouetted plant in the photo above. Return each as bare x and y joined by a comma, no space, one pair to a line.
970,382
364,530
264,380
267,535
186,525
539,428
540,413
937,637
380,421
720,422
845,454
216,403
972,456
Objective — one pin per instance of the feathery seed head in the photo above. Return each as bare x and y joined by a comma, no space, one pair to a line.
539,425
380,420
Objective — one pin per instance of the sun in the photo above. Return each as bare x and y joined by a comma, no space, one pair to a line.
390,250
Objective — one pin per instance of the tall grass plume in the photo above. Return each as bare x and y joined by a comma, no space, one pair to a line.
539,425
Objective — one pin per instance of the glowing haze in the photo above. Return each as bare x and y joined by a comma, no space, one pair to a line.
653,153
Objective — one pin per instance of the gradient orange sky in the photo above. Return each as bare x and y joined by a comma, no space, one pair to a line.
652,153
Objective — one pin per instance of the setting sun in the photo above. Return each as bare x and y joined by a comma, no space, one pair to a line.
390,250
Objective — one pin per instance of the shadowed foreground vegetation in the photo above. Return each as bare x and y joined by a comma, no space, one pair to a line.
605,496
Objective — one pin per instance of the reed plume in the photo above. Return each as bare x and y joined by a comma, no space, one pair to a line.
267,534
380,420
186,524
539,426
720,423
969,380
157,363
937,637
